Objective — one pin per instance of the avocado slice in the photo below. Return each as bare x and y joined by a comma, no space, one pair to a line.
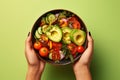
66,35
78,36
54,33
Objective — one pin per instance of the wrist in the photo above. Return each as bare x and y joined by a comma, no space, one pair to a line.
81,69
83,73
33,73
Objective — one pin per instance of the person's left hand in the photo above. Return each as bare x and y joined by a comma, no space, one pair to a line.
35,65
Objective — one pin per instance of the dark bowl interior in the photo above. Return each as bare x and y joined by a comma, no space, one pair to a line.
37,24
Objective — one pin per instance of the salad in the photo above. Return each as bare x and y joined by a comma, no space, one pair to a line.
59,36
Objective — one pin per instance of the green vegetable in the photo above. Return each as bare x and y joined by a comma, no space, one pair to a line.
67,53
54,33
44,28
51,18
66,35
39,30
78,36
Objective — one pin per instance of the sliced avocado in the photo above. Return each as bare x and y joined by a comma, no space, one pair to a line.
78,36
54,33
66,35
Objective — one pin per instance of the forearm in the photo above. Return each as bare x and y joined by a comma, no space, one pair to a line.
83,73
33,74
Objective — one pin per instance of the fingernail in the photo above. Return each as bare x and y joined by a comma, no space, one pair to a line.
28,33
89,33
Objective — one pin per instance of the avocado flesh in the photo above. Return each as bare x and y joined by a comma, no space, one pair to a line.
66,35
78,37
55,33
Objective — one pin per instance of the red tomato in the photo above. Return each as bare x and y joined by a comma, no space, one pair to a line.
74,51
75,22
80,49
72,19
43,52
55,55
76,25
73,48
37,45
56,45
59,45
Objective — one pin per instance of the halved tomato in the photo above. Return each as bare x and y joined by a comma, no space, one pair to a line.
54,55
73,48
75,23
56,45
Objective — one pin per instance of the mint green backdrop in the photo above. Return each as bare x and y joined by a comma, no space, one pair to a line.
102,18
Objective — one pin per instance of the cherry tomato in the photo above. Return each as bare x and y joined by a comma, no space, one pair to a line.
73,48
37,45
43,52
80,49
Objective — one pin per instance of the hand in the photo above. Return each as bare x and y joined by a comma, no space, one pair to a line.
81,67
35,65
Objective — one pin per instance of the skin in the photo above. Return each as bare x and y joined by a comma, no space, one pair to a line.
81,67
36,66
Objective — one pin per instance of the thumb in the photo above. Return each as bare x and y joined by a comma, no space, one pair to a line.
86,56
28,43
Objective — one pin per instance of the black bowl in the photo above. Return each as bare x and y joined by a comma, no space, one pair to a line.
37,24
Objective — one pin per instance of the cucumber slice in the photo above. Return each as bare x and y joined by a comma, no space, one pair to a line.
44,28
46,19
39,30
51,18
50,56
37,35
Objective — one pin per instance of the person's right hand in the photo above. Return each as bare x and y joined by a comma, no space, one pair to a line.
81,67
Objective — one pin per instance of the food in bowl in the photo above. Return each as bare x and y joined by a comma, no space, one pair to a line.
59,37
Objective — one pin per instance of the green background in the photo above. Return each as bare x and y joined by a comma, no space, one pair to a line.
102,18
